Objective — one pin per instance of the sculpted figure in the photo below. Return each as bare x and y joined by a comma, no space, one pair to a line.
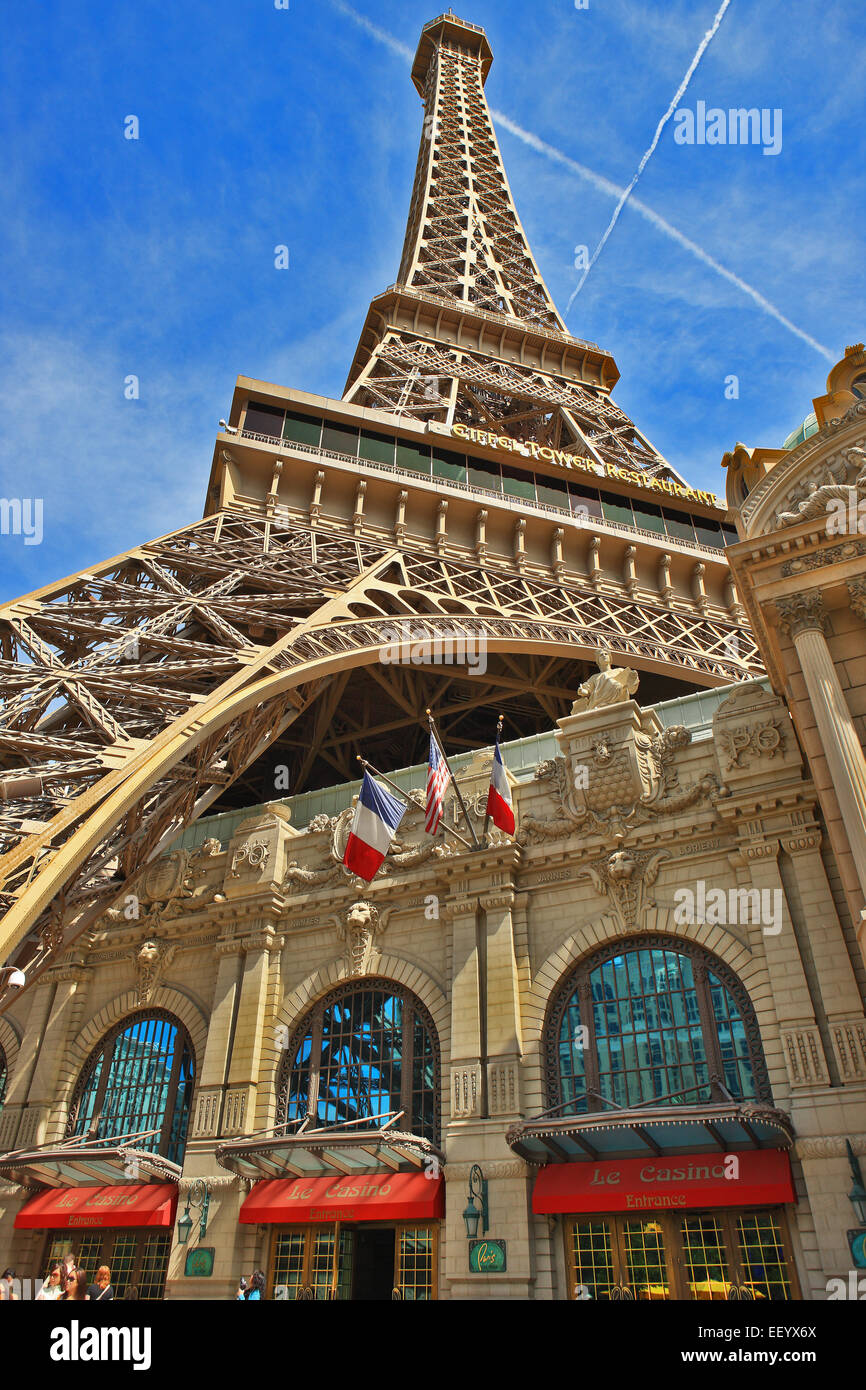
611,686
818,501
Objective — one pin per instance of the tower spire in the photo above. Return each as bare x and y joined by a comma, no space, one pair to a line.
469,334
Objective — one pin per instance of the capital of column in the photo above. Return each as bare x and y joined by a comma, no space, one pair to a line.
857,596
457,907
503,898
802,613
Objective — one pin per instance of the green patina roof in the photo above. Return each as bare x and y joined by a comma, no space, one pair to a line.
808,427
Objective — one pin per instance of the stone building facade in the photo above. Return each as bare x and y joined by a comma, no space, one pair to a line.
625,835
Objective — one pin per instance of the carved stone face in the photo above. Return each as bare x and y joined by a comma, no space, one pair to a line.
149,953
620,865
603,660
359,916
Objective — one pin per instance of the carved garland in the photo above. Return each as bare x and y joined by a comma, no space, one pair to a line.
703,960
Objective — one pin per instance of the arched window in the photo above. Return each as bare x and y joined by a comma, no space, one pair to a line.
4,1073
139,1078
653,1019
368,1048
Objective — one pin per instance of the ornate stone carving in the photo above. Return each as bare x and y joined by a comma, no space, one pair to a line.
624,876
849,1043
206,1114
804,1055
857,596
151,958
802,613
845,481
616,785
763,740
611,686
848,550
465,1091
170,886
503,1096
361,925
254,853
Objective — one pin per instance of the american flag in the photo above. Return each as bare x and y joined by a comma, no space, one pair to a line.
437,781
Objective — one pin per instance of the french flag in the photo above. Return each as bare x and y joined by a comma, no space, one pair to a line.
377,816
499,807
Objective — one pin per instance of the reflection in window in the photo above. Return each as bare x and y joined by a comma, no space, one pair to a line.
367,1050
139,1078
649,1024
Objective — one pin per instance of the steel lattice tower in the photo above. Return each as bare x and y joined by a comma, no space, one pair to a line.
136,691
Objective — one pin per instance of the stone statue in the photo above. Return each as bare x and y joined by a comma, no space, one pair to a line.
612,686
819,500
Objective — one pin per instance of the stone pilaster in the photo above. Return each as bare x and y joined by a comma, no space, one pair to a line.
466,1082
249,1034
504,1040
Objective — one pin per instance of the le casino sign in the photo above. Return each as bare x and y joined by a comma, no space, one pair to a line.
530,449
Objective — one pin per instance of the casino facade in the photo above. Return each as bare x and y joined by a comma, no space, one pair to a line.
619,1055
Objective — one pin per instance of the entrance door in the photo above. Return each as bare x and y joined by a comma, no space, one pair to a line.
133,1258
374,1263
716,1255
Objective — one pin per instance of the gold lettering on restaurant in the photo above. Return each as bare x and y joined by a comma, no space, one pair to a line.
530,449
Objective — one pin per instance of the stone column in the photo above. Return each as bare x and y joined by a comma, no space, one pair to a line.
805,619
504,1043
466,1088
63,1021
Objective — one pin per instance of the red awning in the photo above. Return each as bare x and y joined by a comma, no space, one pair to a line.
365,1197
671,1182
130,1204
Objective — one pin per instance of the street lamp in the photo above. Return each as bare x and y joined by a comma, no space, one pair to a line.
471,1214
197,1196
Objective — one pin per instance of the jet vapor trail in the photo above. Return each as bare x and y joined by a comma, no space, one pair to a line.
702,48
604,185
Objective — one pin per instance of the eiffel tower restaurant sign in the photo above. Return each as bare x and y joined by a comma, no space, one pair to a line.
529,448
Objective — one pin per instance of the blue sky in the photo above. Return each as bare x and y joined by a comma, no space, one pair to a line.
261,126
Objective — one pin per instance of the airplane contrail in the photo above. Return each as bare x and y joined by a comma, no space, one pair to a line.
702,48
607,186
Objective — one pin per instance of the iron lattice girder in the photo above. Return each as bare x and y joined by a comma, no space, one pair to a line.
103,809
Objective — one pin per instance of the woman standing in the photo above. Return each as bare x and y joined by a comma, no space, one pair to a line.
100,1290
76,1288
52,1287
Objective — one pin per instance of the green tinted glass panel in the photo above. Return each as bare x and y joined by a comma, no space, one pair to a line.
708,532
414,456
486,475
615,508
679,525
517,482
449,465
648,516
303,429
379,448
729,534
552,491
340,438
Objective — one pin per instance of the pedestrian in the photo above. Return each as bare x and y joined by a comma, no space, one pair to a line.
75,1287
7,1286
100,1290
256,1289
131,1294
242,1288
52,1287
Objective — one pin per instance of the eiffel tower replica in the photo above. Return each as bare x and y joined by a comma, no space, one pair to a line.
476,479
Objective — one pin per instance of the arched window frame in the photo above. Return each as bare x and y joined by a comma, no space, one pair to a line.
312,1022
105,1047
577,980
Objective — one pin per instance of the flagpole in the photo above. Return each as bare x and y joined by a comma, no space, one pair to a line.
400,792
434,731
487,816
